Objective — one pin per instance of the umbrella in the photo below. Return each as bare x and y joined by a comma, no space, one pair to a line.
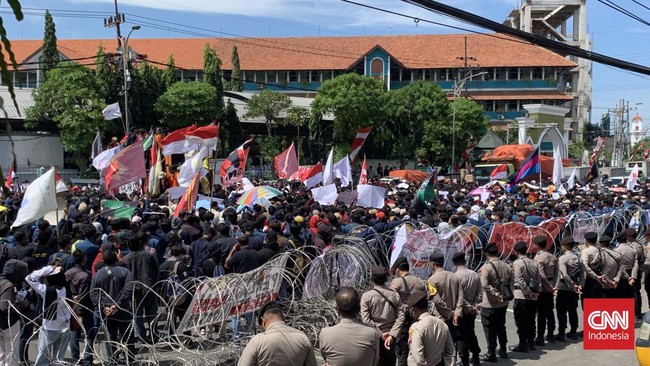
256,193
476,192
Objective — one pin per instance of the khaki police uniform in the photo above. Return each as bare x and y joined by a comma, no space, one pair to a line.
592,261
613,272
381,308
629,263
547,267
637,283
350,343
571,274
405,285
450,299
431,342
525,305
493,308
278,345
470,284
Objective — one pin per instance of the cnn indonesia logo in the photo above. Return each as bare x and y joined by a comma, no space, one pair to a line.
609,324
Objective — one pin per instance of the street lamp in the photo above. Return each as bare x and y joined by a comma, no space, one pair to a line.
127,78
457,88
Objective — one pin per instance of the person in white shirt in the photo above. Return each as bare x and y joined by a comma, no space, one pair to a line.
49,283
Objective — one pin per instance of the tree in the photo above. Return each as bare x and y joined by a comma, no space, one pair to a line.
4,65
231,134
71,97
298,117
212,75
147,87
268,104
49,50
591,133
186,103
409,110
355,100
169,75
471,125
236,80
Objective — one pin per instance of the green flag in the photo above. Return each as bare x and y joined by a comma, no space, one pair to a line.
113,204
146,144
124,212
427,192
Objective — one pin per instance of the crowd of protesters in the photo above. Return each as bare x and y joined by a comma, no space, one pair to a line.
91,272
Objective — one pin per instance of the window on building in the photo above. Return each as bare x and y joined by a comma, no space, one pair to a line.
429,74
500,73
549,73
490,75
406,75
377,67
293,76
336,73
488,106
32,75
395,72
21,79
524,73
513,105
358,68
538,73
260,77
513,73
314,76
271,76
444,75
304,76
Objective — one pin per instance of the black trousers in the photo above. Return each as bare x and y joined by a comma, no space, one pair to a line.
646,281
467,341
402,344
638,301
494,326
566,303
525,321
545,316
386,356
624,290
591,290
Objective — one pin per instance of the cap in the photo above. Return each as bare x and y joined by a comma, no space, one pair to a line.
437,258
378,270
266,307
540,240
591,236
415,297
380,215
299,219
630,232
521,247
15,266
491,248
605,239
458,257
399,261
568,240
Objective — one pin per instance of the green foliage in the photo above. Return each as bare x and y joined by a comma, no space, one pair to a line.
169,75
109,77
268,104
71,97
410,110
297,116
50,52
591,133
471,125
356,101
576,149
5,48
236,80
230,129
186,103
212,75
147,86
269,147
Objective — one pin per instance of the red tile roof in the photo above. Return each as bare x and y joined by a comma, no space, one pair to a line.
321,53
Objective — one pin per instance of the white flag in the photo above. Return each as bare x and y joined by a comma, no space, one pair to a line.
103,160
39,199
325,195
558,169
370,196
191,166
97,146
571,182
634,176
112,111
328,173
343,171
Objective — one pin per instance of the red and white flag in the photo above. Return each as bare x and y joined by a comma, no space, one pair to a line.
363,178
357,144
302,169
313,176
189,139
286,163
500,172
127,167
10,177
232,169
59,185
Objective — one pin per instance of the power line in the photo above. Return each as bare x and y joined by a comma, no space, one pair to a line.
623,11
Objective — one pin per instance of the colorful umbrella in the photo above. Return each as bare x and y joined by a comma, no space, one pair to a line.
256,193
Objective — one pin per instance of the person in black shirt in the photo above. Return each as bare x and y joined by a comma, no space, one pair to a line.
42,251
200,250
218,251
270,247
21,250
175,264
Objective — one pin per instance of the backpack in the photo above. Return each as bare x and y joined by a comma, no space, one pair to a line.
175,292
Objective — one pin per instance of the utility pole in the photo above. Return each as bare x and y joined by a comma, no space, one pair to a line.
115,22
466,69
621,134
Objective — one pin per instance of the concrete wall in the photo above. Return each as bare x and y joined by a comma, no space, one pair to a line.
32,151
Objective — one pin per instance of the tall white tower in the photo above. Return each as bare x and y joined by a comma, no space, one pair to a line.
636,130
552,19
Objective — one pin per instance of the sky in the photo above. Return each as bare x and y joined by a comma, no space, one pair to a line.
613,34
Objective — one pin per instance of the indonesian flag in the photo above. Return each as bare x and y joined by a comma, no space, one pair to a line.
358,141
634,176
232,169
313,176
155,168
10,177
60,186
500,172
286,163
127,167
189,139
363,178
188,199
302,169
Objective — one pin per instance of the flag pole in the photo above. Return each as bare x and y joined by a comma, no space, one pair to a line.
214,178
56,211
